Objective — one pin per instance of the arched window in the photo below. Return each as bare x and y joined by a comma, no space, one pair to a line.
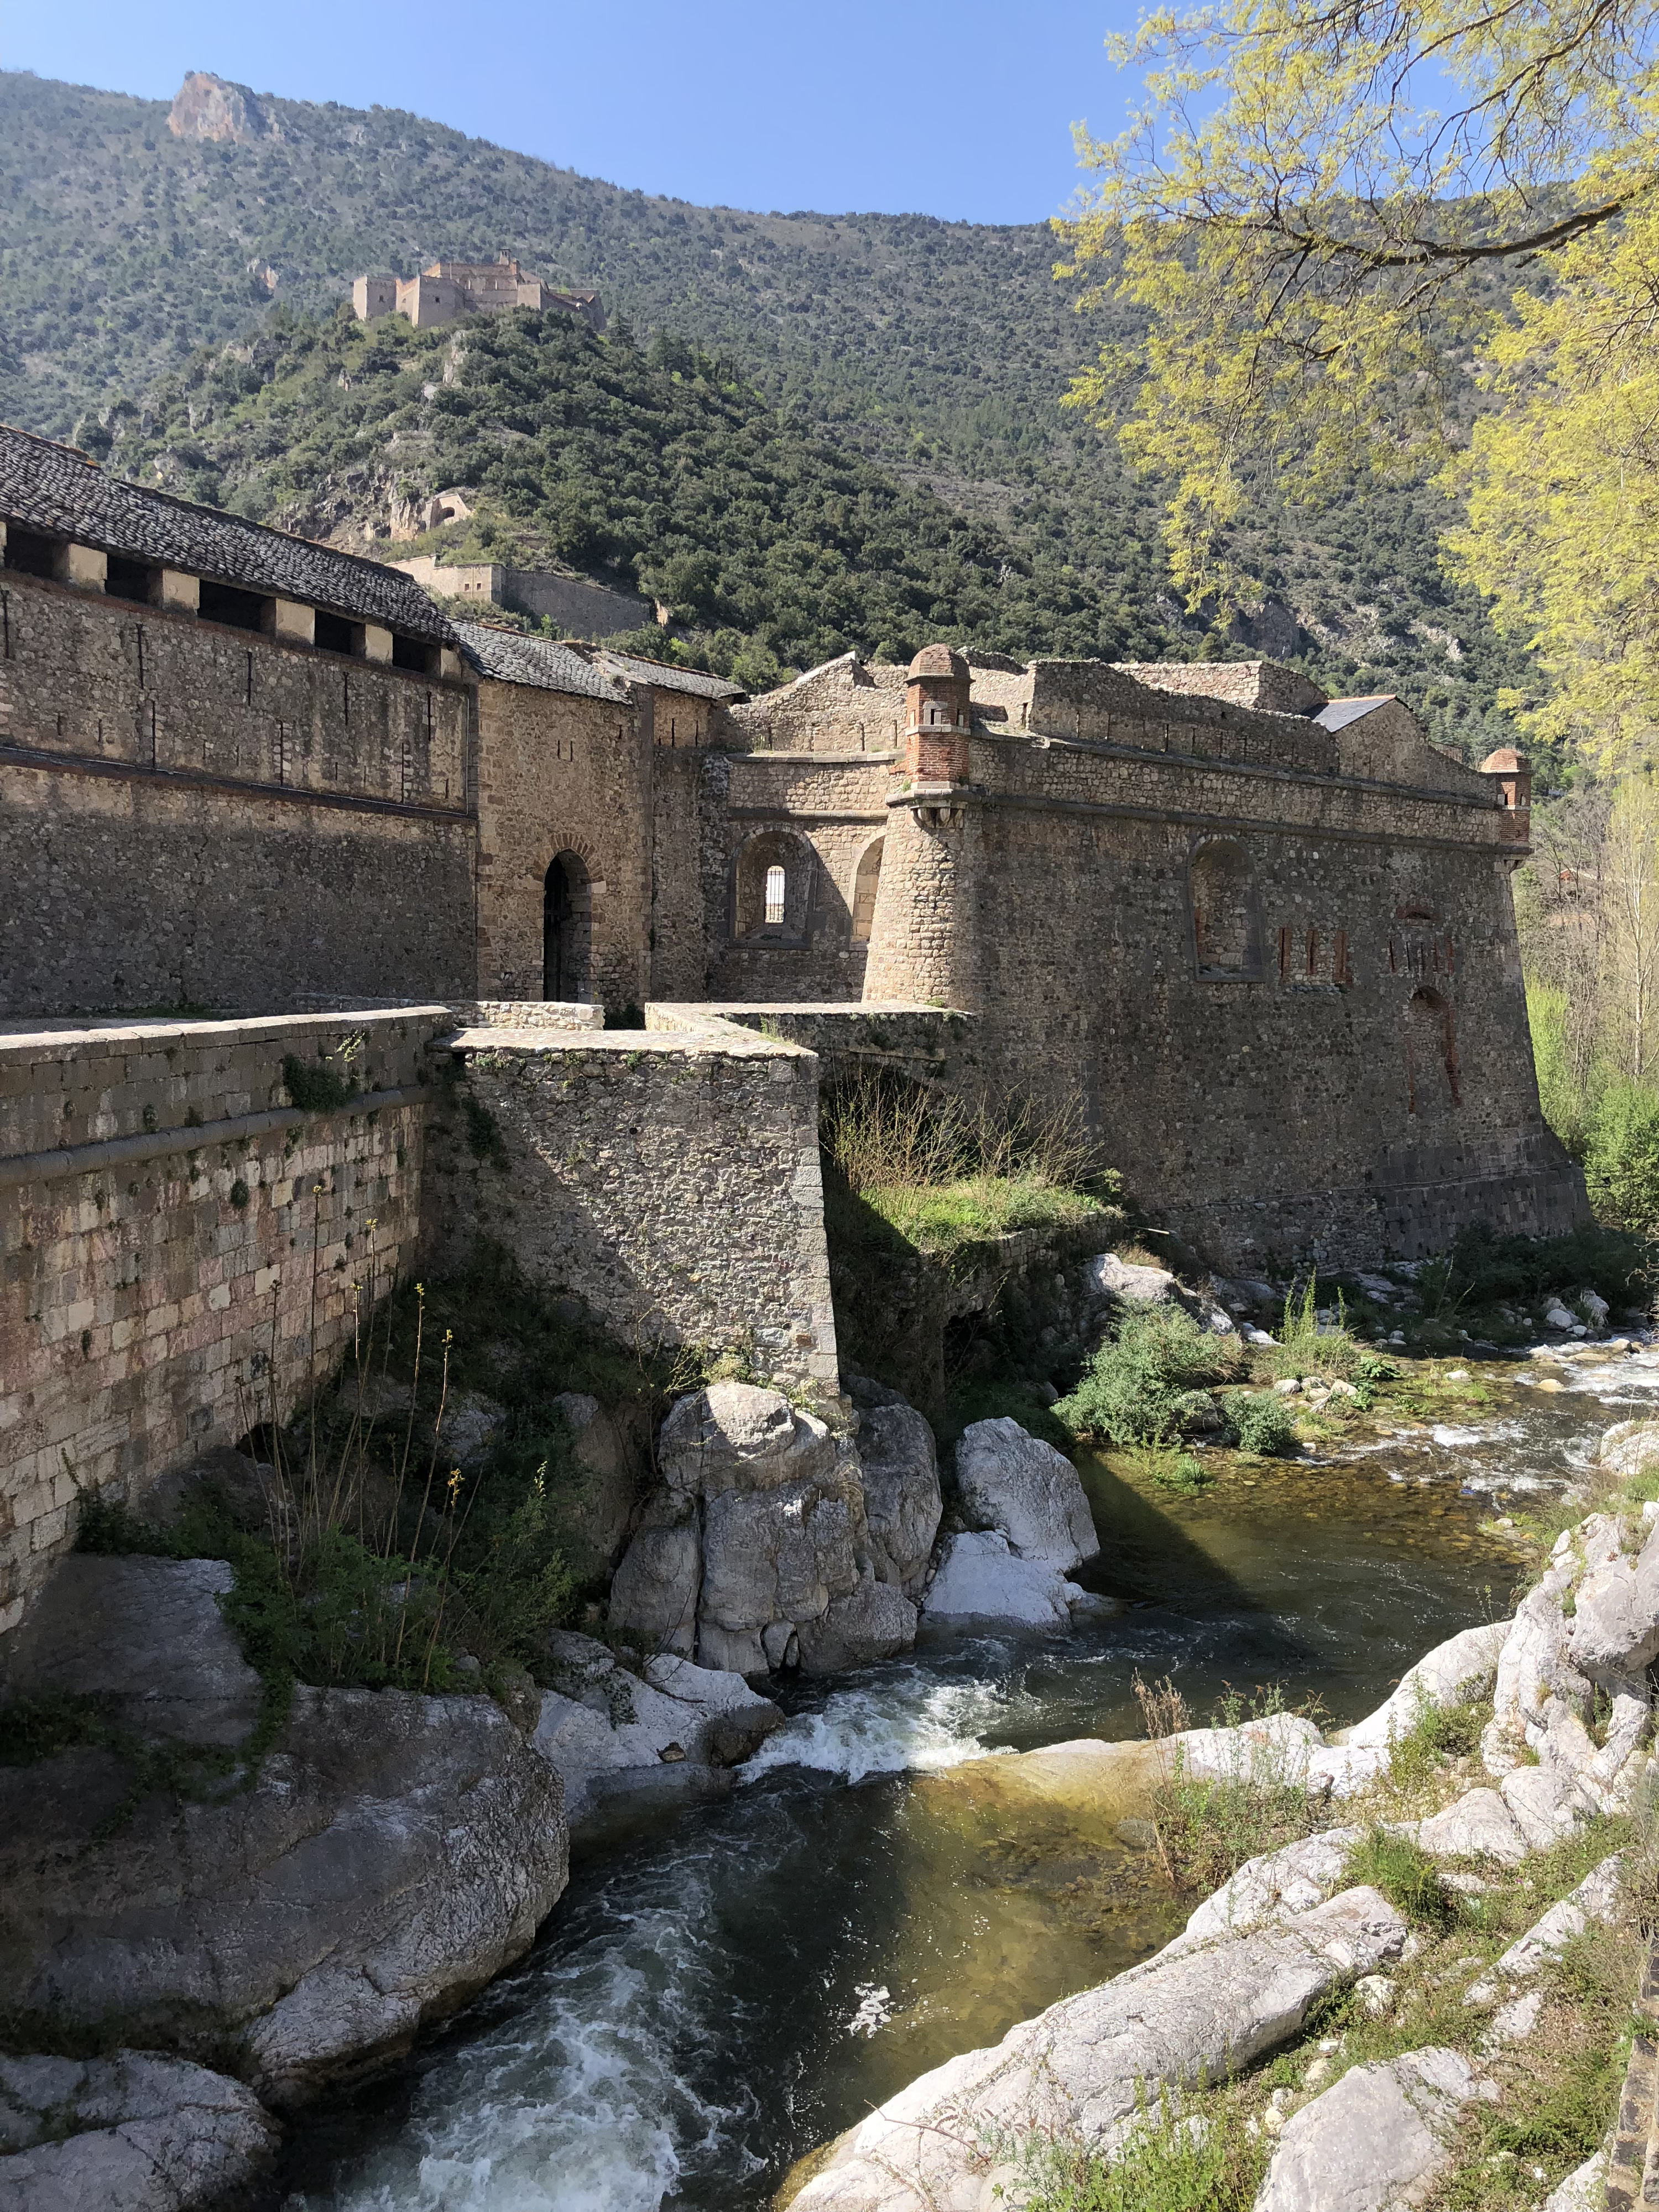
1225,939
567,929
772,889
1431,1076
864,892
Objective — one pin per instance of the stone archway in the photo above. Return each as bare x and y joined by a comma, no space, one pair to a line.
567,929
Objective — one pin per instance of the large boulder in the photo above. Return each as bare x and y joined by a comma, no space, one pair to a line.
129,2133
901,1503
1012,1482
145,1638
1480,1826
388,1856
1196,2012
737,1436
1107,1280
653,1596
1376,2140
1615,1620
981,1577
1293,1879
620,1743
757,1551
1536,1675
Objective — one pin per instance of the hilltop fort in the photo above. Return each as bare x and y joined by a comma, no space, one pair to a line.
444,291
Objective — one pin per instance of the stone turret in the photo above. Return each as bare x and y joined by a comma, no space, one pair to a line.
923,937
1513,776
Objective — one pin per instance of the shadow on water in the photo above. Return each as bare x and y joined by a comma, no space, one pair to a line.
710,2001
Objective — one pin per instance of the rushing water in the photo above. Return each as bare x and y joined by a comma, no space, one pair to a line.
710,2002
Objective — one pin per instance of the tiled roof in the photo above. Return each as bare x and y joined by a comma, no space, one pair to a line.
52,488
509,657
1341,712
668,678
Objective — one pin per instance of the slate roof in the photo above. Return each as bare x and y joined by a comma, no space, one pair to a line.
509,657
1341,712
668,678
52,488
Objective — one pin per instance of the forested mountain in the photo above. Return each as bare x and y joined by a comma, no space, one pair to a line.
932,354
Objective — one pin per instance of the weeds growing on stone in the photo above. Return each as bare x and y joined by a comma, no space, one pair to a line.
944,1172
1406,1874
1208,1823
1176,2159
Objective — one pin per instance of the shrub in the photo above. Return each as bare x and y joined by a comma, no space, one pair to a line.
1263,1423
1621,1158
1405,1874
1132,1390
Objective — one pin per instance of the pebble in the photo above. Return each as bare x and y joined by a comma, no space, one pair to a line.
1374,1993
1458,1375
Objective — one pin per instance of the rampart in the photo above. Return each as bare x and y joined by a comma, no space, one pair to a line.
670,1180
183,1248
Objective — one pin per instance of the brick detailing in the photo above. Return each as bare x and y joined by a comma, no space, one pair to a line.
179,1247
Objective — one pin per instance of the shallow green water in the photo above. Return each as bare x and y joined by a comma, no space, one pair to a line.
708,2004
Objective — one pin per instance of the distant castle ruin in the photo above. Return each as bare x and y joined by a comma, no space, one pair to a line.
444,291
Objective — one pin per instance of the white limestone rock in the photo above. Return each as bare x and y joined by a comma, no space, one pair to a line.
1342,1769
1546,1803
1197,2011
1584,2189
653,1595
1533,1668
1598,1898
757,1552
1275,1749
1012,1482
133,2132
901,1502
1375,2141
1294,1879
1479,1826
737,1436
1615,1622
1456,1672
981,1577
670,1736
1108,1281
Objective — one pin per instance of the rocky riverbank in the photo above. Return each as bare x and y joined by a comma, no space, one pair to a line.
1384,2009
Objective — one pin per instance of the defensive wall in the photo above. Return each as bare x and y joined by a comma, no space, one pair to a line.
194,1216
183,1247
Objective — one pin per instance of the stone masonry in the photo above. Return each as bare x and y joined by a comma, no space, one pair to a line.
183,1250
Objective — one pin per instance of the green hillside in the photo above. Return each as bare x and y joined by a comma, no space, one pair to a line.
661,466
934,352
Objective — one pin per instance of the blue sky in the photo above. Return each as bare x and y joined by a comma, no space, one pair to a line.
962,111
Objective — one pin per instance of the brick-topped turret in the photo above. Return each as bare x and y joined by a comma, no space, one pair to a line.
936,717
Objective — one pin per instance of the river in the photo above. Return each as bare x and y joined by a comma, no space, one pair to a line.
710,2001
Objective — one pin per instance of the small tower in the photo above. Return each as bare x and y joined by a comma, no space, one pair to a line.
936,712
1514,780
924,935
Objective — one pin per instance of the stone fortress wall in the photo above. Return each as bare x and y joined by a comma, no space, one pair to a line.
185,1251
182,1247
